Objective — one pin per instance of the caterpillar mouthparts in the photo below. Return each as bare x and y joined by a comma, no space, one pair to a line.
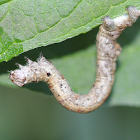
107,52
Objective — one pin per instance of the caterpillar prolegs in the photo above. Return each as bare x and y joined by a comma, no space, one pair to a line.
107,52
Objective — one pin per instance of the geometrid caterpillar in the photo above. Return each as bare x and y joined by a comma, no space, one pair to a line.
107,52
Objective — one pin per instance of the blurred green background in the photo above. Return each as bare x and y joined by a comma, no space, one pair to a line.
27,115
32,113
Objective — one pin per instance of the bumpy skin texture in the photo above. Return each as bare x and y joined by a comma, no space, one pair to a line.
107,52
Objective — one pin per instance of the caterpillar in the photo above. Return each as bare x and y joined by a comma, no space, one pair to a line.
107,52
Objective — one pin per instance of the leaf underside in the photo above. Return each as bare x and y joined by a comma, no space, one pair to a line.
27,24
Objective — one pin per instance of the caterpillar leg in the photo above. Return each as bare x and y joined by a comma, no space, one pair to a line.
123,21
133,13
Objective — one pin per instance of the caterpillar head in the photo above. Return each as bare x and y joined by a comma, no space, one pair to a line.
20,77
41,70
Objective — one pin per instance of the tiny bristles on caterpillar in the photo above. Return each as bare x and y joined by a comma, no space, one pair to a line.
107,52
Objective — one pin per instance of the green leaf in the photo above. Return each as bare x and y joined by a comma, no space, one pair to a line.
27,24
4,1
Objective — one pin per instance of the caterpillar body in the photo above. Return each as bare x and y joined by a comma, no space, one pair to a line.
107,52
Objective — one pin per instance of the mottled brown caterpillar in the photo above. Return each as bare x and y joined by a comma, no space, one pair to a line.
107,52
